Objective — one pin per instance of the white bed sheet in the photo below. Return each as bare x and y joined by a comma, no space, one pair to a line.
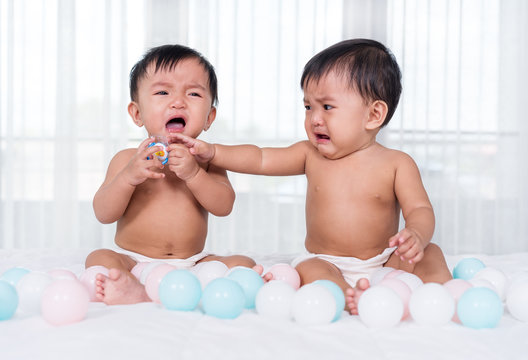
148,331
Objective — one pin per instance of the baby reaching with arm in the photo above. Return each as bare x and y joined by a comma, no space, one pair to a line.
161,208
356,187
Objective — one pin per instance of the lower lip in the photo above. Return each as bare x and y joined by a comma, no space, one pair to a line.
322,141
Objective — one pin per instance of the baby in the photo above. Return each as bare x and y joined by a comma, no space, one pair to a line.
161,207
356,187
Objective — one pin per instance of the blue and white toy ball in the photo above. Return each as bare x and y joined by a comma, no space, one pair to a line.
274,300
13,275
8,300
467,268
339,296
30,289
223,298
496,277
479,308
313,304
250,281
180,290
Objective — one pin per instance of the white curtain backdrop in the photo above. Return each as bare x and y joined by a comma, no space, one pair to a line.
64,68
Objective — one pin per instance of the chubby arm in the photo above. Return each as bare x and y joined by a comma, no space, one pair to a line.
210,188
250,159
416,209
127,169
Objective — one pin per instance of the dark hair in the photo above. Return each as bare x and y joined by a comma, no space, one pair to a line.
369,66
167,57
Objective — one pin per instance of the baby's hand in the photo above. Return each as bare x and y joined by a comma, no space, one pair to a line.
410,247
140,166
203,151
181,162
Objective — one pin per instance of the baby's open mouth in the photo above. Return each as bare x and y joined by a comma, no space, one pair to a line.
322,137
176,124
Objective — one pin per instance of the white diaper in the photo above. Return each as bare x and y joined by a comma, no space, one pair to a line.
352,268
178,263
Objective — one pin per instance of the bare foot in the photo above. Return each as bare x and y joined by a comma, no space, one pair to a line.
260,269
119,288
352,295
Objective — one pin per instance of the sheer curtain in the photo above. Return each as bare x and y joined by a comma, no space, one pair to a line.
64,89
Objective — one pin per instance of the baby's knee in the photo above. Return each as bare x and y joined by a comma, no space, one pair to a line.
99,257
239,260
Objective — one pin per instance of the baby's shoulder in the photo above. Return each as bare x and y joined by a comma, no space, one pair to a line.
395,157
123,156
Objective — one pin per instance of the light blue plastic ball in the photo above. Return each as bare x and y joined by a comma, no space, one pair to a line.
223,298
180,290
8,300
13,275
338,296
467,268
480,307
250,281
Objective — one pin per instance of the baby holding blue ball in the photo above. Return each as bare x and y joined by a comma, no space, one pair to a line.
158,194
356,186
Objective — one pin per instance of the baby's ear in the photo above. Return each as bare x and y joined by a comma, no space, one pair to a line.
133,110
377,113
210,118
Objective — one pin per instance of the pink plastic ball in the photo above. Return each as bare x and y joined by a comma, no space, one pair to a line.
286,273
393,274
402,289
456,287
138,268
65,302
153,280
87,278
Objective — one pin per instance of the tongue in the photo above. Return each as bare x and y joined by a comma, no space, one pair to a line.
174,126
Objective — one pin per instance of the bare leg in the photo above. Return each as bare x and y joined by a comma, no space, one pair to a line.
120,286
432,268
316,269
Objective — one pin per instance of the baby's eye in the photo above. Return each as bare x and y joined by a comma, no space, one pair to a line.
195,94
327,107
307,107
162,92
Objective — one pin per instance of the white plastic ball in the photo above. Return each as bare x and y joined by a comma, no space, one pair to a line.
147,270
431,304
496,277
209,270
30,289
517,300
313,304
274,300
380,307
378,275
411,280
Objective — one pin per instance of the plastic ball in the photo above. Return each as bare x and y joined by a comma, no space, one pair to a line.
339,297
313,304
402,289
432,305
154,279
180,290
8,300
60,274
286,273
147,269
30,289
208,271
517,300
223,298
411,280
13,275
496,277
380,307
393,274
379,274
467,268
479,308
138,269
456,287
87,278
274,300
250,281
65,302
